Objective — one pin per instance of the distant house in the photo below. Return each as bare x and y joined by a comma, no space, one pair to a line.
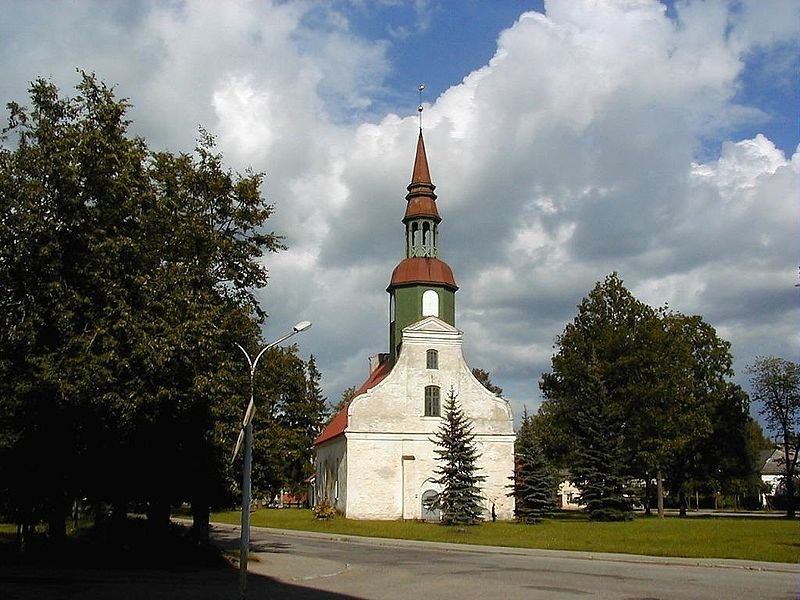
772,469
567,495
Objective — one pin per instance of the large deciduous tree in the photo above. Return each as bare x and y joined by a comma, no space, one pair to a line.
291,411
776,386
126,277
653,377
607,348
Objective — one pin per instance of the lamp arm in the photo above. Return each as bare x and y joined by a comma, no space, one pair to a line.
246,355
268,346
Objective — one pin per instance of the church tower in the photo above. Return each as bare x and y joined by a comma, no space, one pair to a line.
377,459
421,285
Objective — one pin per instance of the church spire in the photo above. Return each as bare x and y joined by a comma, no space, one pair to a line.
421,285
421,174
421,201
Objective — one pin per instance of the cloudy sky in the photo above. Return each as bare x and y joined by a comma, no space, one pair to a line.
567,139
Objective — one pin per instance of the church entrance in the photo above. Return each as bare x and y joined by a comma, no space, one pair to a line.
428,512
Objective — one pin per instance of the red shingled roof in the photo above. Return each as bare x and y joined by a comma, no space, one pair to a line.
419,269
421,205
421,199
339,422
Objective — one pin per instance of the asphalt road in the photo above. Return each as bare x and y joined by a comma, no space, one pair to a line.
314,566
307,566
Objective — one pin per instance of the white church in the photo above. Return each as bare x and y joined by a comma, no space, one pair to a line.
376,460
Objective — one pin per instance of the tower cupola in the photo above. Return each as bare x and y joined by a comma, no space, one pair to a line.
421,285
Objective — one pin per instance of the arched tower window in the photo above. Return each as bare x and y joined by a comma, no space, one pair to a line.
432,359
430,303
432,403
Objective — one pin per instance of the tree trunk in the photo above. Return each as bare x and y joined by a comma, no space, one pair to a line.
789,479
56,519
158,516
660,493
682,501
647,491
201,516
99,514
119,514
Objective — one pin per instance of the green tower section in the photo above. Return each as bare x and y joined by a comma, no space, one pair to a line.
421,285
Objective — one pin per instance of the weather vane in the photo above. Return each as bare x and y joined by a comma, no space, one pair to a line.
420,89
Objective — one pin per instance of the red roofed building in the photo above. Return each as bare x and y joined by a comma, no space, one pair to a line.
375,459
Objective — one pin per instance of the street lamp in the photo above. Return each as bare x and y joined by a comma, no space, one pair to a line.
246,433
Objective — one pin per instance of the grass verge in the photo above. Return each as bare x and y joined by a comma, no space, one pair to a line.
774,540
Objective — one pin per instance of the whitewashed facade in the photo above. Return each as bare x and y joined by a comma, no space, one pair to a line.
383,463
376,459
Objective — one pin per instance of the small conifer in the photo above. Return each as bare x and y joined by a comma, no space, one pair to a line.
460,500
533,487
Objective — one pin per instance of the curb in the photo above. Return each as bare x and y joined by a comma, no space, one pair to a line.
706,563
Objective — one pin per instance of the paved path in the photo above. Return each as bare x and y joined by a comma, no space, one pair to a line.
350,566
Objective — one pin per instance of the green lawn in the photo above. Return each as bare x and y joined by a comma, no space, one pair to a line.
765,539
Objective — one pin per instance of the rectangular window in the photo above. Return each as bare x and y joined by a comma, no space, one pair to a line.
432,359
432,408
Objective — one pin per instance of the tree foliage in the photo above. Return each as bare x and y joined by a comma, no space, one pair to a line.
126,277
776,386
459,500
655,378
600,469
485,380
289,418
533,486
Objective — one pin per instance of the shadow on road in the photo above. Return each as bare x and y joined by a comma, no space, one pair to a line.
24,583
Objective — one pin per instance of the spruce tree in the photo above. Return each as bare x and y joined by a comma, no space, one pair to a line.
600,467
460,500
533,486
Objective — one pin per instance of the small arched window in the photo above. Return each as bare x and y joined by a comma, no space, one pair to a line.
432,404
432,359
430,304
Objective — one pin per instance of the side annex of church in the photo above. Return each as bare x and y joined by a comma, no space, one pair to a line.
375,459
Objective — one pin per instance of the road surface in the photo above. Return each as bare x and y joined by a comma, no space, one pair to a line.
307,565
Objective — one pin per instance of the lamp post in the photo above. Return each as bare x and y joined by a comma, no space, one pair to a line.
246,433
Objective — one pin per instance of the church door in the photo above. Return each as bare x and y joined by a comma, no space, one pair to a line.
428,512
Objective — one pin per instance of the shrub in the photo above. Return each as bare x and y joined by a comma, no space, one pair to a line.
324,511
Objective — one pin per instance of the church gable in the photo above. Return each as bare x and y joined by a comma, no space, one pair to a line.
410,398
430,324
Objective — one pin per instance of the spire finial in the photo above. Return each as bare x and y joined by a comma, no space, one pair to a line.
420,89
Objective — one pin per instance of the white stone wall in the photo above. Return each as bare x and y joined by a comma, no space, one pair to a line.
390,458
331,473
